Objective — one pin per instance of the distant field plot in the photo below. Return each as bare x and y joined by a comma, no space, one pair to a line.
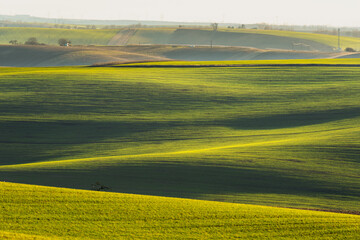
330,40
261,39
33,212
44,56
51,35
152,36
340,62
279,136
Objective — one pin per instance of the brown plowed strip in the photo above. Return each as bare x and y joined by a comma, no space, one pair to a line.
122,37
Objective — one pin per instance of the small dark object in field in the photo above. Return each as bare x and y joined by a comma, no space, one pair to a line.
349,49
64,42
98,187
32,41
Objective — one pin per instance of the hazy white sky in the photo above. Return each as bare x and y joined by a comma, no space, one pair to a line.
307,12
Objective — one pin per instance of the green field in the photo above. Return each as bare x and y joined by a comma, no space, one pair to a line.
33,212
262,39
330,40
244,37
52,35
152,36
294,62
278,136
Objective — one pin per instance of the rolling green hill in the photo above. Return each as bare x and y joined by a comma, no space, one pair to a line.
262,39
329,40
268,135
288,62
33,212
44,56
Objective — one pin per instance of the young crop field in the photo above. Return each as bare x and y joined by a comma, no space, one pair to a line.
340,62
34,212
331,40
268,135
245,37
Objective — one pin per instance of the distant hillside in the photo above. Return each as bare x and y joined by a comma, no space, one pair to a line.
32,19
52,35
35,56
262,39
202,37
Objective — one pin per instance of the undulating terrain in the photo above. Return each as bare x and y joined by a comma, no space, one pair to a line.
96,46
262,39
279,136
227,149
44,56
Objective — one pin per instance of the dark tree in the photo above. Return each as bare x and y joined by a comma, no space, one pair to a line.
32,41
214,26
62,42
13,42
349,49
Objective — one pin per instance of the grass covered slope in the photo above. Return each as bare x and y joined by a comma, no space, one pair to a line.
330,40
280,136
262,39
43,56
339,62
52,35
73,214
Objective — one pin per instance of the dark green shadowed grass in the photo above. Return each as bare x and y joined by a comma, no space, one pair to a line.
279,136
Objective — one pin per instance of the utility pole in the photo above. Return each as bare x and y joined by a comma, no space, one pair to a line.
211,44
339,39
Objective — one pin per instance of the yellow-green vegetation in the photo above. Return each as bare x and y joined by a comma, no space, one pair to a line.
263,39
52,35
19,236
245,37
150,36
330,40
279,136
296,62
40,212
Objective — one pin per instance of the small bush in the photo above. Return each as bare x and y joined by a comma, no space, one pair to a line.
63,42
99,187
13,42
348,49
32,41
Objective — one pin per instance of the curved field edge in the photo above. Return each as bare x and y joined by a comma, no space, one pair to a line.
286,63
66,213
